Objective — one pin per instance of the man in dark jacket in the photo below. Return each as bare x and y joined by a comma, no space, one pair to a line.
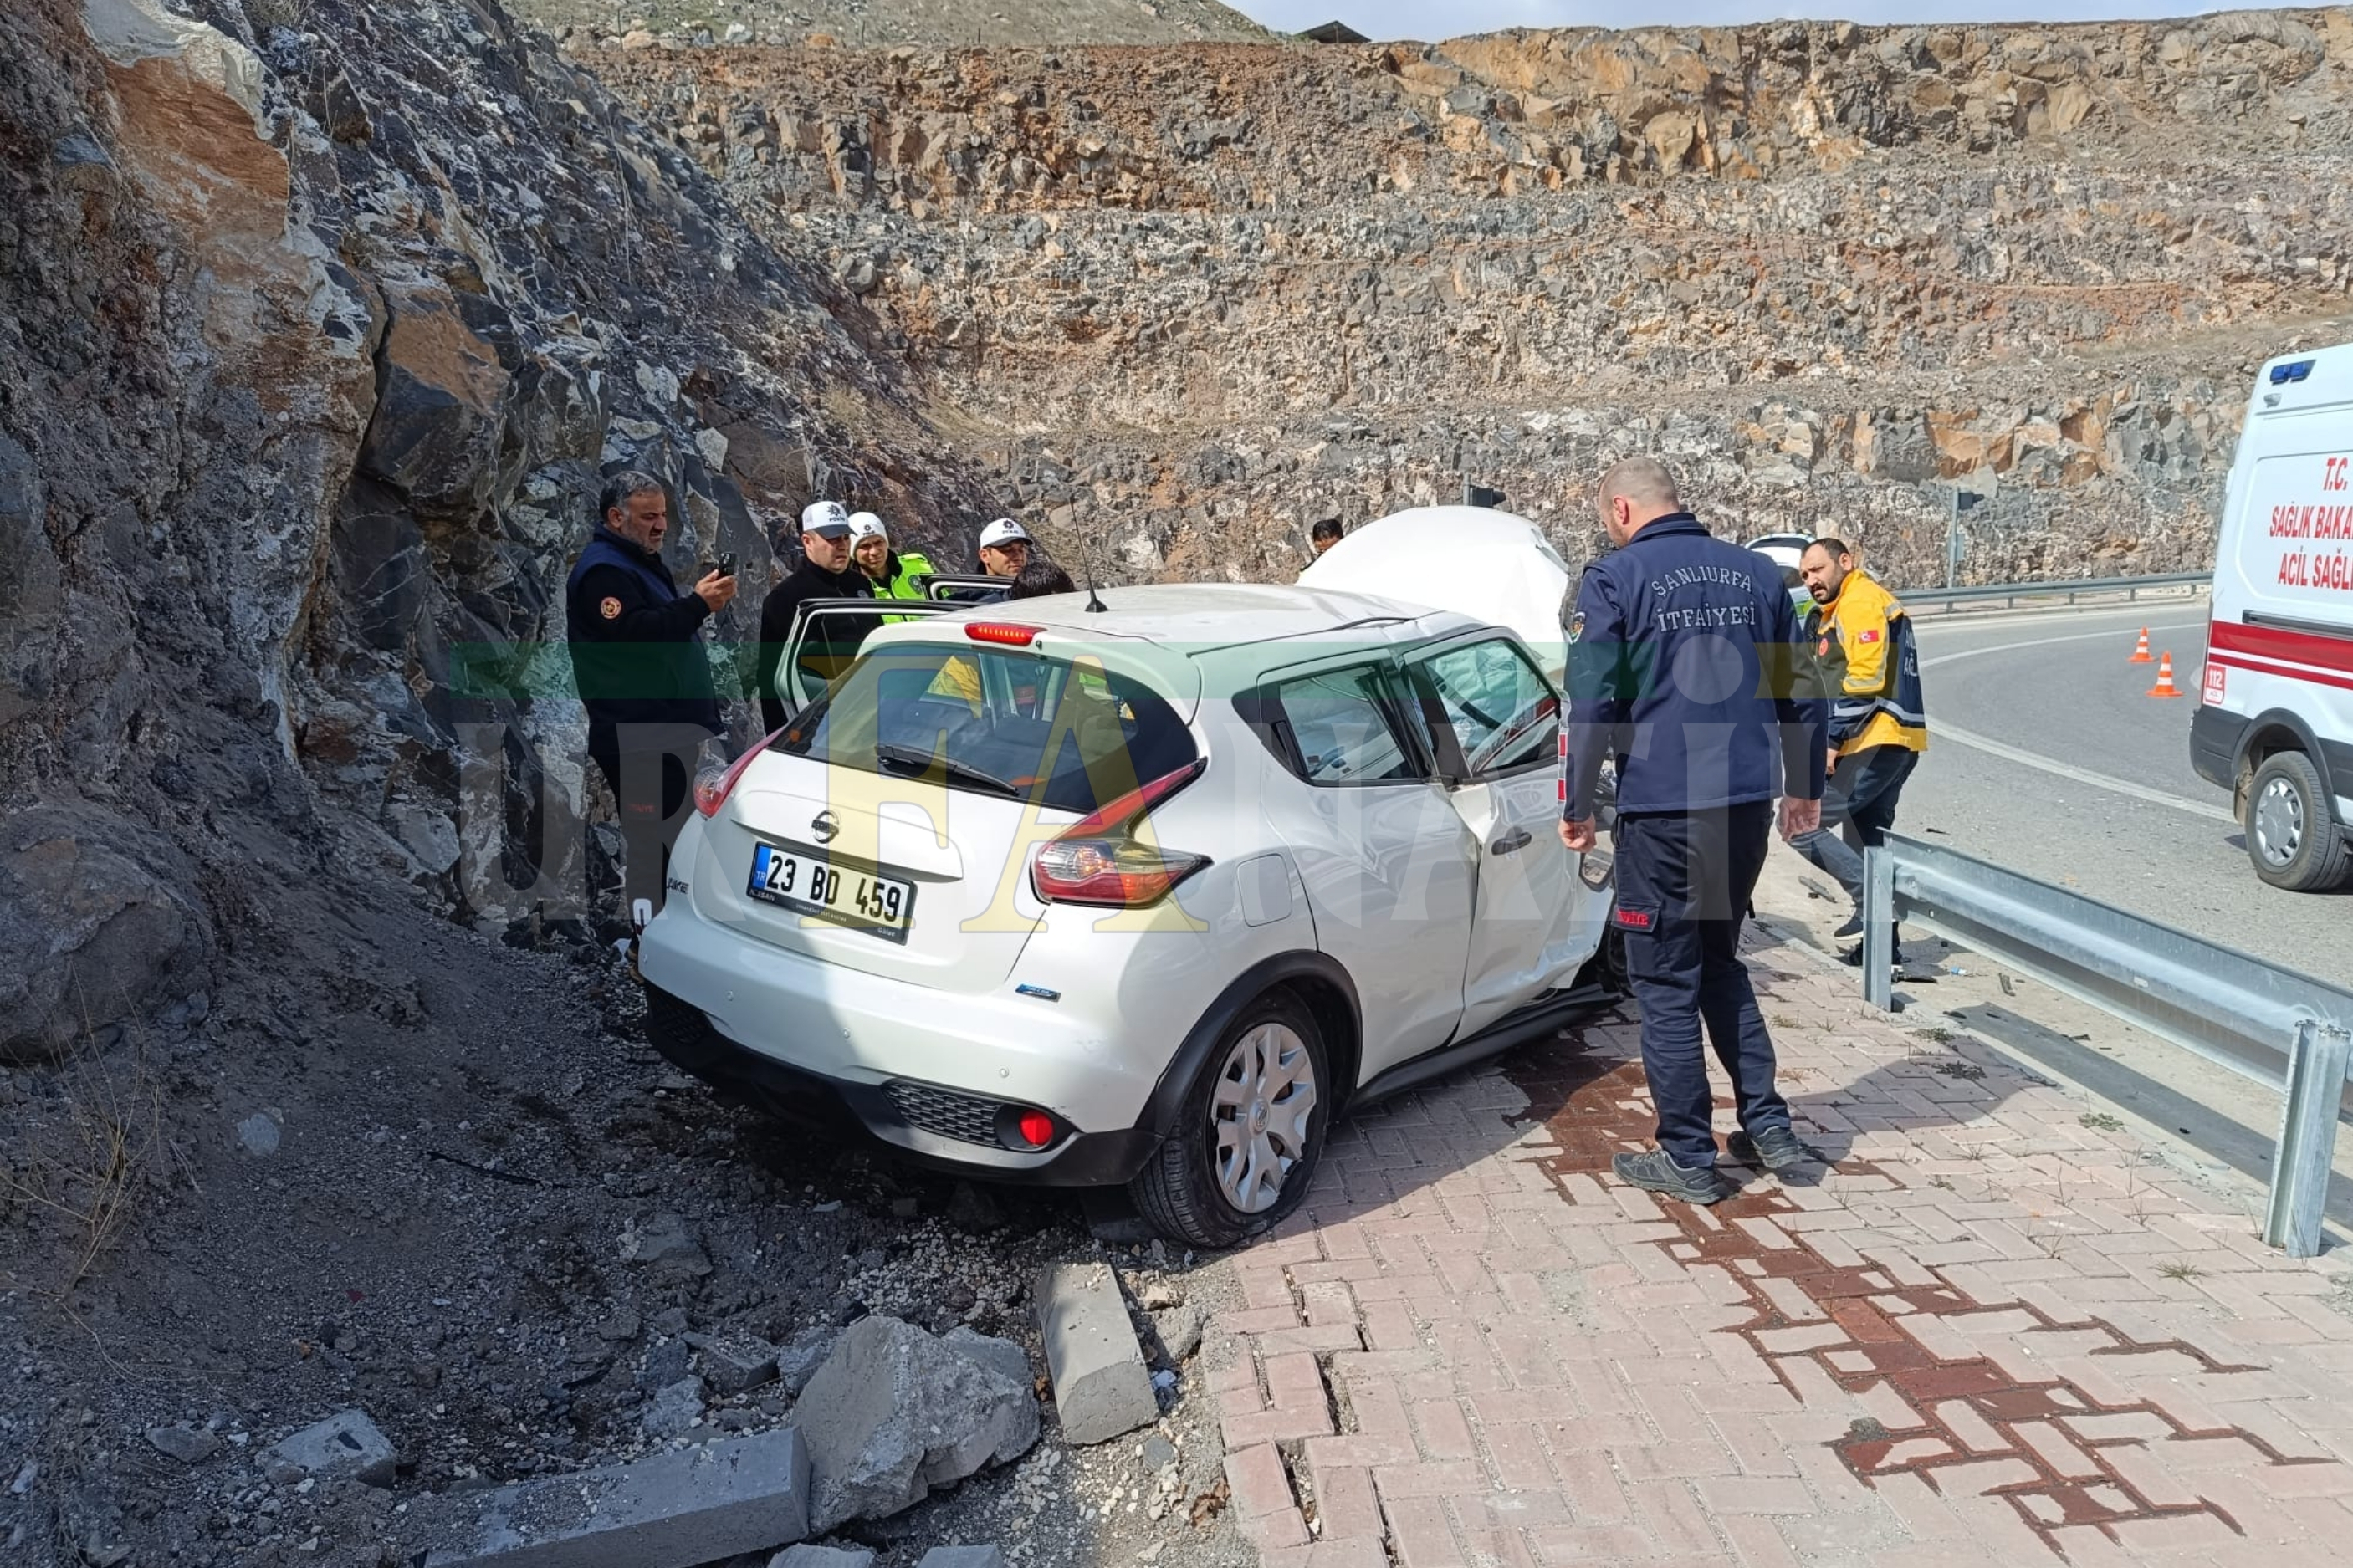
827,571
638,661
1685,661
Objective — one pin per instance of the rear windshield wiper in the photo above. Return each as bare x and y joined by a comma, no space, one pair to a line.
801,730
924,762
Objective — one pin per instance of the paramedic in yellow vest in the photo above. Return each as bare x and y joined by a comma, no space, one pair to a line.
1869,669
892,574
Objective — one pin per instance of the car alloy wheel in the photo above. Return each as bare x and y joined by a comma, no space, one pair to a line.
1242,1148
2279,822
1259,1115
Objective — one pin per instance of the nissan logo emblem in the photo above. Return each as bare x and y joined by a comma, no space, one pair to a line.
826,827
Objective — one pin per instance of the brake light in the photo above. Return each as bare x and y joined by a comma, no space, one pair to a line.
713,787
1098,860
1119,873
1004,634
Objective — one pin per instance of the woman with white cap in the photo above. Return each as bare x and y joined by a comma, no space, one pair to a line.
892,575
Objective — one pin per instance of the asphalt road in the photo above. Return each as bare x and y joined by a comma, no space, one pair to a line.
2046,754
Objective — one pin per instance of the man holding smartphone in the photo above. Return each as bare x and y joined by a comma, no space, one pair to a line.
638,661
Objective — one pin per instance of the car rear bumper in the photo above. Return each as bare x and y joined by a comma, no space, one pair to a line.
2215,736
865,1034
891,1112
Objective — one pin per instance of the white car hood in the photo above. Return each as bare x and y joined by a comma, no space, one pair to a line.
1490,566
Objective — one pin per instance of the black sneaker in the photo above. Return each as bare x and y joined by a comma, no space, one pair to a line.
1777,1148
1654,1170
1853,926
1853,957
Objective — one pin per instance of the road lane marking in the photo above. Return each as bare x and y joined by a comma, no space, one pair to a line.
2082,614
2080,775
2042,642
2024,758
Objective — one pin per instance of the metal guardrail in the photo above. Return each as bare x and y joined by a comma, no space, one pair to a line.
2069,587
2282,1029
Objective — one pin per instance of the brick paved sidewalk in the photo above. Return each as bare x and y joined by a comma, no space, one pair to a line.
1999,1330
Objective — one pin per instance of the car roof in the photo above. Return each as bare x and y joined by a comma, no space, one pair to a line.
1203,617
1183,634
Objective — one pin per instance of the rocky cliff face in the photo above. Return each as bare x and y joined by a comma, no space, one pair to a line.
317,324
861,24
320,323
1191,299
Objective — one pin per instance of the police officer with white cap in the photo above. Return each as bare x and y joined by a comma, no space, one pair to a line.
893,573
1004,548
827,571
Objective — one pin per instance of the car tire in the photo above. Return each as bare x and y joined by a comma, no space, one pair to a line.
1199,1187
2293,836
1606,970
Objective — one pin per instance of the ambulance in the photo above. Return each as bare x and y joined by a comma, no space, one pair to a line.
2275,722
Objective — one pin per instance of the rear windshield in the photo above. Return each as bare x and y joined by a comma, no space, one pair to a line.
997,721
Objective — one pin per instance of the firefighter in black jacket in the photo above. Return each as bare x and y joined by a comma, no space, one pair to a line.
638,661
1684,663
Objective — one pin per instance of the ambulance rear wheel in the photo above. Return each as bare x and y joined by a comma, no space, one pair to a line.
2293,835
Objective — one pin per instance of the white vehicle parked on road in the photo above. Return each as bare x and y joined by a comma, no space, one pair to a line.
2275,720
1787,551
1144,896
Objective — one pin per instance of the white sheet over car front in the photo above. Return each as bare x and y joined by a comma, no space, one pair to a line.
1491,565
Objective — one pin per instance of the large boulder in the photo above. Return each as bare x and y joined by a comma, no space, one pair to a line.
895,1413
98,920
440,408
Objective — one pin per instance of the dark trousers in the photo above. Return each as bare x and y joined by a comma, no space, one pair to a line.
1684,886
651,770
1858,810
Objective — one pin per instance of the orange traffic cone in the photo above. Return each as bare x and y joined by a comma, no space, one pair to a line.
2165,687
2140,654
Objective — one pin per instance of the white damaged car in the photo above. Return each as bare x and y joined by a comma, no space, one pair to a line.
1144,889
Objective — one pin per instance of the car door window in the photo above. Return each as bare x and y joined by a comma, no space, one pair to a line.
1503,713
824,641
1341,727
963,587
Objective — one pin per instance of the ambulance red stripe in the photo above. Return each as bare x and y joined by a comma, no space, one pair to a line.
2287,671
2281,643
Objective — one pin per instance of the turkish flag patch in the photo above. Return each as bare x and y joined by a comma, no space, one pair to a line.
1870,635
610,609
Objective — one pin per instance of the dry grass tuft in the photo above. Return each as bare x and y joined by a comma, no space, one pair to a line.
82,1156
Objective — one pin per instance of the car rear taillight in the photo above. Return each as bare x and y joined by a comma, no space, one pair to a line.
712,785
1098,860
1119,872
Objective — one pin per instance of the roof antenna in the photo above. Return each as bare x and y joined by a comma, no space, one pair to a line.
1094,605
